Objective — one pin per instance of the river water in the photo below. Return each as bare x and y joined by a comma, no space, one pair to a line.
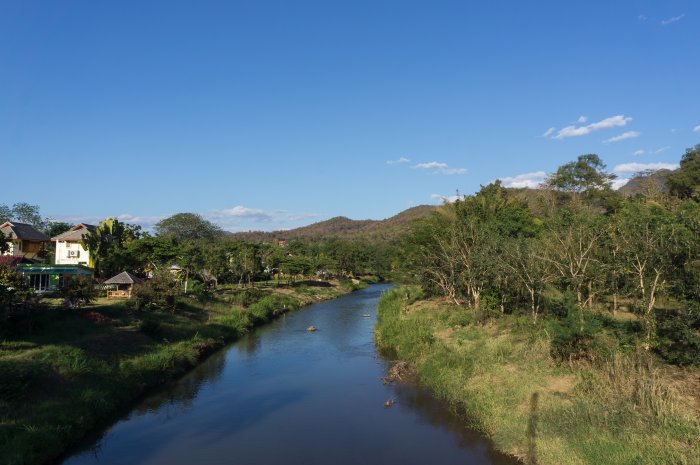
282,395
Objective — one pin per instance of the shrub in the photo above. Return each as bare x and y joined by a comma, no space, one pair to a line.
158,293
247,297
78,291
678,333
570,342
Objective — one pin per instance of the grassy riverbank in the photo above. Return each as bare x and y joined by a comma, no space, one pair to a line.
624,407
72,371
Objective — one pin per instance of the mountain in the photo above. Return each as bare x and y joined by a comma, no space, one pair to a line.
655,181
340,226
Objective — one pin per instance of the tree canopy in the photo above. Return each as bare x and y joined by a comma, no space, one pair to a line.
184,226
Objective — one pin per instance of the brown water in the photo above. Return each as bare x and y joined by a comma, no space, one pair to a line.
283,395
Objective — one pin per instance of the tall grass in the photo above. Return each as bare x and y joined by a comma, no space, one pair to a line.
501,376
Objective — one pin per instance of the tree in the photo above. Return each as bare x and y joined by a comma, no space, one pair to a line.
4,243
187,226
54,228
653,241
22,212
584,175
108,246
685,182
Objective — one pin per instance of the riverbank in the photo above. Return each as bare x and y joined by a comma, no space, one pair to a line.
627,408
73,371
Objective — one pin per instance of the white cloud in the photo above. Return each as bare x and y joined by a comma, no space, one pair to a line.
662,149
240,211
549,132
696,128
400,160
430,165
445,198
440,168
672,19
240,218
531,180
623,136
637,167
146,222
582,119
611,122
639,152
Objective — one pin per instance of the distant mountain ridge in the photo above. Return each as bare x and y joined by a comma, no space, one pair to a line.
341,226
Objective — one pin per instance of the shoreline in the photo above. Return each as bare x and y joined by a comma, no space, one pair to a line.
501,380
96,389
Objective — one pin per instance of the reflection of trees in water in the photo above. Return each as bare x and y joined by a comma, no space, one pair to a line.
436,413
178,397
248,344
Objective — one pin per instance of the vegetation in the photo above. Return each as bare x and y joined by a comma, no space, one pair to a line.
73,370
548,393
562,321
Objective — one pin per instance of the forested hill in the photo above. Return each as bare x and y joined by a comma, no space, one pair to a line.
340,226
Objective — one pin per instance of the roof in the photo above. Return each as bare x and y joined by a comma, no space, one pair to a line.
76,233
23,232
123,278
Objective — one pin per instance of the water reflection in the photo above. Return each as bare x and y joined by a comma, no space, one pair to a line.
283,395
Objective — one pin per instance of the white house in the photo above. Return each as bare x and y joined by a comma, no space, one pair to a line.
69,250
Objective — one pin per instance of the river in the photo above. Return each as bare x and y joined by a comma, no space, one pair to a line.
282,395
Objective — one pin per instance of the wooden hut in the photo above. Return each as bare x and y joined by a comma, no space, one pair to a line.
125,282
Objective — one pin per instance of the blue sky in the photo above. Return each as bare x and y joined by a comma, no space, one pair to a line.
269,115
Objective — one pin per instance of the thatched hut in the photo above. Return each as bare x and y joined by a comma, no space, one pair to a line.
125,282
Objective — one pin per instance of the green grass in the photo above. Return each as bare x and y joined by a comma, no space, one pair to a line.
67,376
501,375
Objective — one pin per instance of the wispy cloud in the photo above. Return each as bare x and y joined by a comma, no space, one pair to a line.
582,119
531,180
623,136
444,198
639,152
637,167
696,128
145,221
642,18
257,215
607,123
440,168
399,161
549,132
652,151
672,19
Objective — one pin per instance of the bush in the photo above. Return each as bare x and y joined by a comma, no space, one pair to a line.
247,297
78,291
678,333
158,293
570,343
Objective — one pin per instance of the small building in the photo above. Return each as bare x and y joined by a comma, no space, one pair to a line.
69,247
25,240
47,278
124,283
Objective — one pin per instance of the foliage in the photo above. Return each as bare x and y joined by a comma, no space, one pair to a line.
685,182
4,243
108,246
493,250
186,226
22,212
679,335
13,288
54,228
157,293
78,291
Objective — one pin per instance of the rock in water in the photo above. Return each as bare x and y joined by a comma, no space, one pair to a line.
311,328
